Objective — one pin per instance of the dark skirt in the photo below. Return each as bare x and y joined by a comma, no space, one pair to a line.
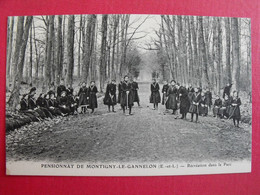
216,111
171,102
64,110
184,105
234,112
194,109
93,101
155,97
203,109
83,99
164,98
135,96
110,101
224,111
127,100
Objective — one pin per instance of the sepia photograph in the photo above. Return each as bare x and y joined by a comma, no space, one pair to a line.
128,95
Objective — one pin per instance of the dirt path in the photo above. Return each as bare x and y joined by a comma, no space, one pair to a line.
148,135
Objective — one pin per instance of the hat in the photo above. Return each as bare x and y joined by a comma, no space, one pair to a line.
32,89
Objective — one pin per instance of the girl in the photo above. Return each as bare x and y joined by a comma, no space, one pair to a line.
172,97
234,111
92,91
110,96
184,102
126,96
195,102
164,92
83,97
155,97
203,105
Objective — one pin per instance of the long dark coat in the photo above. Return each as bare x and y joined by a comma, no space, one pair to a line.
23,104
164,92
234,111
32,103
172,93
155,93
83,96
184,100
208,96
126,100
217,106
119,92
195,103
135,88
203,108
110,96
92,91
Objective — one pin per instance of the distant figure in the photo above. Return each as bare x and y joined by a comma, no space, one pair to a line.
120,90
164,92
184,101
126,96
172,97
227,90
92,91
208,96
69,90
195,103
234,111
217,105
155,97
135,92
83,97
203,109
110,96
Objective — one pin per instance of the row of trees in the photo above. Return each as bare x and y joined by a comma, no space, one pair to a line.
204,51
42,50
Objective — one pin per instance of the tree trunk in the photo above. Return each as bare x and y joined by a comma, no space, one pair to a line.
70,50
228,50
14,98
235,56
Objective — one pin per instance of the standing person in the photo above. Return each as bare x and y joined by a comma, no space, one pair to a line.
120,90
227,90
203,109
155,97
127,95
234,111
135,92
184,102
61,88
69,90
217,105
208,96
110,96
164,92
195,103
83,97
92,91
172,97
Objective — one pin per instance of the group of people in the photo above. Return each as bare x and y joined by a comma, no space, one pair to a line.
195,101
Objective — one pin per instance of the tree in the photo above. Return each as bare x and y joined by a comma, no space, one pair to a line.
70,50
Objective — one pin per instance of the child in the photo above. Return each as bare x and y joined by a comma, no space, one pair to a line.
155,97
234,111
83,97
195,102
92,91
110,96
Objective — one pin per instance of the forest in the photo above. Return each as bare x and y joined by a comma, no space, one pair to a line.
193,50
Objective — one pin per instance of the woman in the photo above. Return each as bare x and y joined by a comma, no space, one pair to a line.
127,95
195,103
155,97
92,91
224,110
110,96
217,105
172,97
83,97
184,102
234,111
164,92
203,109
135,88
64,103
